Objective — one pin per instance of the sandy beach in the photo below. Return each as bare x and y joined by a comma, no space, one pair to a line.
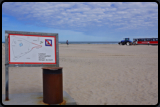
97,74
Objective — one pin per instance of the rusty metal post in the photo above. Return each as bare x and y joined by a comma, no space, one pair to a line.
6,68
7,82
52,85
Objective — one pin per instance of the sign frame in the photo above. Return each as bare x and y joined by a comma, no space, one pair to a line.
7,33
7,64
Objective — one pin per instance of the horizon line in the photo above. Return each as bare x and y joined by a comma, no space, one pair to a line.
81,41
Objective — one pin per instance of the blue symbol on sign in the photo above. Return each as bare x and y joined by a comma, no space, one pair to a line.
20,44
48,42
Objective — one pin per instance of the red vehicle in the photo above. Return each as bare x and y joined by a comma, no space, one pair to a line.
147,41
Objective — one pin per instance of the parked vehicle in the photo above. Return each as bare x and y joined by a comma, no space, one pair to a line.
146,41
126,41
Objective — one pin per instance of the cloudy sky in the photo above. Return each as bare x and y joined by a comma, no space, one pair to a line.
83,21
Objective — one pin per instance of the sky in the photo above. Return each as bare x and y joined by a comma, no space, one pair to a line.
83,21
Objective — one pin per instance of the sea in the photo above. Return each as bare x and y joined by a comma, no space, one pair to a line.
88,42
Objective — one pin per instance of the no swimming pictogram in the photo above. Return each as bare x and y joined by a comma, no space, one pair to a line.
48,42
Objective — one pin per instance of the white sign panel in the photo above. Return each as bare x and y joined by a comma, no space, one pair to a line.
32,49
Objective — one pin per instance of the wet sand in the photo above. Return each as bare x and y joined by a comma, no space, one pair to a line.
97,74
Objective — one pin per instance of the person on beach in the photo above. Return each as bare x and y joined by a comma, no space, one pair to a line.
67,42
135,42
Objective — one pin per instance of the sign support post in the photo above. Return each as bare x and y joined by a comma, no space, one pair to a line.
6,68
7,81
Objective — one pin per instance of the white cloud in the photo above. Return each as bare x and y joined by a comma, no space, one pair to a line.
100,4
78,14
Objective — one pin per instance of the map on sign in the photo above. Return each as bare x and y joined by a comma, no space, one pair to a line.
32,49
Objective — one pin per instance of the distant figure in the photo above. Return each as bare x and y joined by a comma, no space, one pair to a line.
67,42
135,42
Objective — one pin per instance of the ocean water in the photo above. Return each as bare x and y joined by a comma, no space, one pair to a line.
88,42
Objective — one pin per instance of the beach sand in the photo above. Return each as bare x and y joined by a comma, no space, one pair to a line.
97,74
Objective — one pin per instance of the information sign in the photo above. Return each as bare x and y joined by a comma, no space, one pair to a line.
32,49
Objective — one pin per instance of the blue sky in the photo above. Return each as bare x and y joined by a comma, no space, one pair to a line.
83,21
